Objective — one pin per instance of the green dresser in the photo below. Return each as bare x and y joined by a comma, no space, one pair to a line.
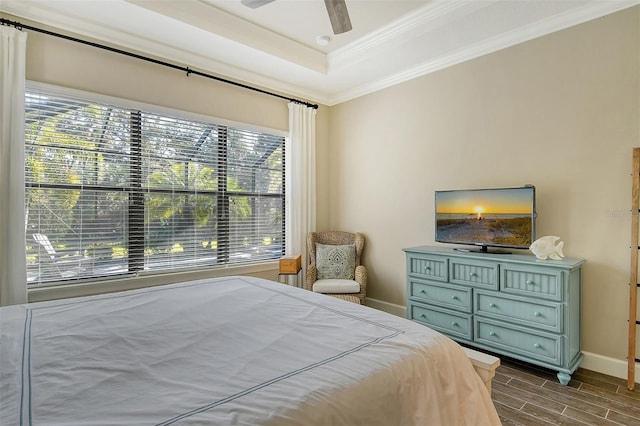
510,304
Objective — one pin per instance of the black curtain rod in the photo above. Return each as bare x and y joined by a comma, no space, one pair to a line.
188,70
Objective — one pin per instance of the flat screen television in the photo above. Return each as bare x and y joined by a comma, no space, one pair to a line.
499,217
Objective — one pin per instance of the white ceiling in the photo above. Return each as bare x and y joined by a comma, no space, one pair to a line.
275,46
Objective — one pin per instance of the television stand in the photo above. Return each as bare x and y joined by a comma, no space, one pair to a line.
517,305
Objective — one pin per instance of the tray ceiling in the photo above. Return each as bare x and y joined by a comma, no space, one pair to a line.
275,46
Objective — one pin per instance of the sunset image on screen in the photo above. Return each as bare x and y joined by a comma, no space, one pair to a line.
492,216
506,201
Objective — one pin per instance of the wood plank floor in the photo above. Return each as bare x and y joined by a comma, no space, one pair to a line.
526,395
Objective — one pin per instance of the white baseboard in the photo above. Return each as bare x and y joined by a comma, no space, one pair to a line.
390,308
594,362
606,365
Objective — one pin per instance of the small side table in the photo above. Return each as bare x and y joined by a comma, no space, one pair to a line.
290,266
288,275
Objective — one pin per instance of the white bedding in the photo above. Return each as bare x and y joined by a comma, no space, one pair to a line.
234,350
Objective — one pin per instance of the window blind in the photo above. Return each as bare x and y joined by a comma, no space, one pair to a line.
112,190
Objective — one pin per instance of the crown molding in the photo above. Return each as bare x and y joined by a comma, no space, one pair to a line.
216,21
350,62
150,47
422,18
593,10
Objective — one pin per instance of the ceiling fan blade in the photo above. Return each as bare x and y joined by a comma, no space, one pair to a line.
338,15
254,4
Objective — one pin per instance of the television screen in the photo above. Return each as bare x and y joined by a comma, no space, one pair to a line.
502,217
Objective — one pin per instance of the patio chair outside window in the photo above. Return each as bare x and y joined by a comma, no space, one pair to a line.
66,263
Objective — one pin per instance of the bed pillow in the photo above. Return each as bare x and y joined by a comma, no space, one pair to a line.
335,261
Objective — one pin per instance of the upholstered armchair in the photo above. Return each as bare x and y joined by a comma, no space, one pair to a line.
334,265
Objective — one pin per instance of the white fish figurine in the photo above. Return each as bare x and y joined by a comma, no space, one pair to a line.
545,247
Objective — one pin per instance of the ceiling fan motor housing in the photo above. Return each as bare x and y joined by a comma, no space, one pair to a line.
337,10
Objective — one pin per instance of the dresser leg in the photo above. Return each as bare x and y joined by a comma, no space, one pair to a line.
564,378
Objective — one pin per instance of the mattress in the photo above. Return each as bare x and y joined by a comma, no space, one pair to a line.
235,350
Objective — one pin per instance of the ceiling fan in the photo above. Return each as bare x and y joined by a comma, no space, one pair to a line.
337,10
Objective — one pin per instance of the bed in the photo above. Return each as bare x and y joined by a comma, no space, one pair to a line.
235,350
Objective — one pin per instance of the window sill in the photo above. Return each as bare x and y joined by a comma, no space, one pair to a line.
267,270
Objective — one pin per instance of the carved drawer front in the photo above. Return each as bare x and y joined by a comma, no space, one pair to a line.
529,343
458,298
435,268
477,274
525,311
455,325
525,282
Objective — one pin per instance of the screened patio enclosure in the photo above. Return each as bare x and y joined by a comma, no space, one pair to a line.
140,191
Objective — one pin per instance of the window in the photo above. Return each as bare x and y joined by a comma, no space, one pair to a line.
113,190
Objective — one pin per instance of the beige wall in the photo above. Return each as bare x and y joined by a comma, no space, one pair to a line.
69,64
560,112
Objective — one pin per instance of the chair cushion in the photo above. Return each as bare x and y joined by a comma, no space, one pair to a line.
336,286
335,261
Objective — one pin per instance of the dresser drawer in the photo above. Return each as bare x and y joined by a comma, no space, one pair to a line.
525,311
477,274
431,267
453,324
513,339
527,282
456,297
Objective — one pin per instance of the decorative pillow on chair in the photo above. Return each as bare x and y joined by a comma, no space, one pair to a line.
335,261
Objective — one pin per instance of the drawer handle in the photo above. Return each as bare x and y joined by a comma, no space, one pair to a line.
492,333
473,274
423,316
427,269
423,292
455,324
530,282
454,297
537,314
537,346
492,305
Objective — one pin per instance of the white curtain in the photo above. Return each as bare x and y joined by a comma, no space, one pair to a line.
13,268
300,183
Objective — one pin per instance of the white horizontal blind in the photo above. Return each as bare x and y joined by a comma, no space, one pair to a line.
117,191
